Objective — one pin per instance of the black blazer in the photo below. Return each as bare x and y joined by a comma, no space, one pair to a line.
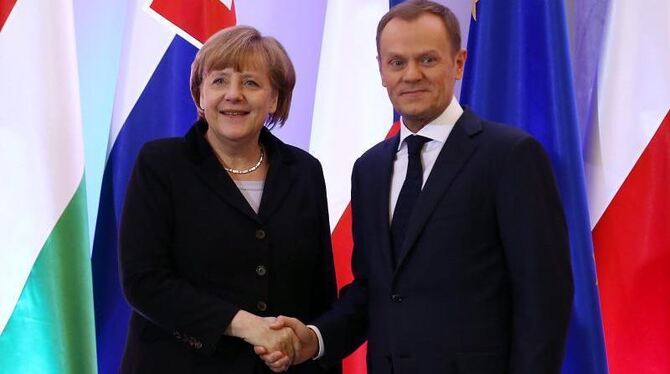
484,285
193,253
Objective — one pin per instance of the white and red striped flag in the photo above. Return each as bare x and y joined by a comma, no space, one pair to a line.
628,169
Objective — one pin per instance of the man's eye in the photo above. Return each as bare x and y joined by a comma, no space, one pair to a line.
396,63
428,60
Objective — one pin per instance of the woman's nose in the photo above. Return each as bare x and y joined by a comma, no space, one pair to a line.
233,92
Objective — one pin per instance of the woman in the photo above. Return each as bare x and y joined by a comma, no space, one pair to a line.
227,225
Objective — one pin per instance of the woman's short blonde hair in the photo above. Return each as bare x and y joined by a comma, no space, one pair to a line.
241,47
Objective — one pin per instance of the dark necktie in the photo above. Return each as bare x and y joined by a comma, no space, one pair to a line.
409,192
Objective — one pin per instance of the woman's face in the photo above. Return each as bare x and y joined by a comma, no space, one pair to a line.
237,103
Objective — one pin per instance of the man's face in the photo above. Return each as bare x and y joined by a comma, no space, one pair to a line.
419,68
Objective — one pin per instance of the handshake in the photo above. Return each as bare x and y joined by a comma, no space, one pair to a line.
279,341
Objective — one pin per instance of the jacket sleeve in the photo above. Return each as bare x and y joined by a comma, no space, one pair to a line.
150,282
344,327
535,240
324,291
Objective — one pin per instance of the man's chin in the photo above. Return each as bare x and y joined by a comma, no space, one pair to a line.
410,109
413,112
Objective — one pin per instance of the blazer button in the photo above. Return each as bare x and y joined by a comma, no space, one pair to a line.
260,234
396,298
261,270
262,306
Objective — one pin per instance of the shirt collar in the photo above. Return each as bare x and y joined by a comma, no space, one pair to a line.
439,128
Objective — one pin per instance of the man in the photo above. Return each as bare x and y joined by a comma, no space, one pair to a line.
461,257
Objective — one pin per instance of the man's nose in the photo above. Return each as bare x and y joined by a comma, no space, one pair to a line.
412,72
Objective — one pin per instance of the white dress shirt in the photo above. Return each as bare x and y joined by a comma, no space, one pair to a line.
437,131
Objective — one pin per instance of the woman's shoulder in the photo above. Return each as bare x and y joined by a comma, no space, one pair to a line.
164,147
292,154
160,153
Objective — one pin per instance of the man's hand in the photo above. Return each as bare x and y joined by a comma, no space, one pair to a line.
308,345
266,334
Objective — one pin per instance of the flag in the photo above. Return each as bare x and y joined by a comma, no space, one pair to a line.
153,100
340,136
518,72
628,169
46,305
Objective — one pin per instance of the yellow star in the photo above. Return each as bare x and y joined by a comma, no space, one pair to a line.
474,9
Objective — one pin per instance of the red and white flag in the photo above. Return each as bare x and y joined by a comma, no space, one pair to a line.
628,170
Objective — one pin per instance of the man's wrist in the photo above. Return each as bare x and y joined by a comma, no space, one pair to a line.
319,339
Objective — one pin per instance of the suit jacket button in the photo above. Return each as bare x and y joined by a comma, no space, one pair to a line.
262,306
261,270
260,234
396,298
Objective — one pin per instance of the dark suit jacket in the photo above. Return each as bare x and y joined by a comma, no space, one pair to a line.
193,253
484,285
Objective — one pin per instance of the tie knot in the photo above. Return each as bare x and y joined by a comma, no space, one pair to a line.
414,143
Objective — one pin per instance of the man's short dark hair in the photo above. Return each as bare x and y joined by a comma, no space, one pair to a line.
412,9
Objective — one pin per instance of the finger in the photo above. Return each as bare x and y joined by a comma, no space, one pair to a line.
286,321
272,357
279,365
260,350
278,323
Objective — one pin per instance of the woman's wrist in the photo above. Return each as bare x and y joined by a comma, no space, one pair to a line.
241,324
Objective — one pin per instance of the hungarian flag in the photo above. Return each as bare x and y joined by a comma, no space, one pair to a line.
628,168
46,305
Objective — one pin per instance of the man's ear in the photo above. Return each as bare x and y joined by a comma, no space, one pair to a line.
459,59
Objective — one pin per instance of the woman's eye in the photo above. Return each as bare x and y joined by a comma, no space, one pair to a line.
250,83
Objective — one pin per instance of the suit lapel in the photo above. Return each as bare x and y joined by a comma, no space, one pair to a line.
280,176
457,150
212,174
383,184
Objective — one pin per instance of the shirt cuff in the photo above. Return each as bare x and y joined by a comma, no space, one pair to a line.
320,339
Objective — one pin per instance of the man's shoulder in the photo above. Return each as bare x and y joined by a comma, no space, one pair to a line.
375,154
499,141
493,131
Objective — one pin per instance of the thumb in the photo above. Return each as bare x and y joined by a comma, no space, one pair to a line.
280,322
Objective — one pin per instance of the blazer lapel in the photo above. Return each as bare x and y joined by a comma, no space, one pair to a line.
280,176
212,174
454,155
383,185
